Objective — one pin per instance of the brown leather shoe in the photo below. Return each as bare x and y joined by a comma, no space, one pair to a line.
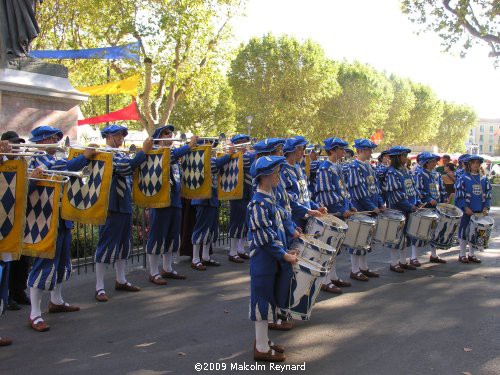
157,279
5,341
271,356
235,259
38,324
473,259
276,347
358,276
407,266
415,262
341,283
463,259
101,296
397,268
244,255
283,326
369,273
436,260
172,275
330,288
127,287
65,307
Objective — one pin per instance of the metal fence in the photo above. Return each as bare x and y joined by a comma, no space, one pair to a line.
85,237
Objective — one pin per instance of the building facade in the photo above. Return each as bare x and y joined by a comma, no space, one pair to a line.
485,136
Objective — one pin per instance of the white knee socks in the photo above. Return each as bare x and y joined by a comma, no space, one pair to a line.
402,256
332,275
354,263
36,301
55,295
196,254
154,264
261,336
120,271
241,246
205,255
471,251
363,262
463,247
394,257
100,268
233,242
413,252
167,261
433,252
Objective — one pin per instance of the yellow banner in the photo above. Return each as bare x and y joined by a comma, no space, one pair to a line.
13,196
151,185
42,219
306,164
197,173
87,201
231,180
125,86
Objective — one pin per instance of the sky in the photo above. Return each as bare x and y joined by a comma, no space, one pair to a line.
377,33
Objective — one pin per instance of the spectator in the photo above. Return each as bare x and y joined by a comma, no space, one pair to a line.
449,179
445,160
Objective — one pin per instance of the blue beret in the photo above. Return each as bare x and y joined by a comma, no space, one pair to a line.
398,150
463,157
161,129
291,144
212,142
113,129
266,165
43,132
473,157
385,152
361,144
424,157
268,145
334,142
240,138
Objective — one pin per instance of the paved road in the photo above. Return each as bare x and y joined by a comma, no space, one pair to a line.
440,319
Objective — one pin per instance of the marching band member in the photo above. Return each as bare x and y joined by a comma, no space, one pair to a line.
115,236
18,269
431,190
165,223
313,171
384,161
267,250
295,181
366,196
48,274
461,165
401,195
332,193
238,208
473,195
206,228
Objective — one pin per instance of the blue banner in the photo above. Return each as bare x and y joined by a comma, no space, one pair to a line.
125,52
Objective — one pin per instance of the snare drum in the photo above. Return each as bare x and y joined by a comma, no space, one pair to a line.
315,250
449,217
328,229
479,231
390,227
305,286
360,232
421,224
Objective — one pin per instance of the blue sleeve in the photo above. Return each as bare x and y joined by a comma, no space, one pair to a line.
223,160
125,166
77,163
487,191
177,153
262,232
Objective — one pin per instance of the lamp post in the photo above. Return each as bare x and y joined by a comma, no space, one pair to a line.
249,120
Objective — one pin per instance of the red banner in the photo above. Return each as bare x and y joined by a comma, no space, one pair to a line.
127,113
377,136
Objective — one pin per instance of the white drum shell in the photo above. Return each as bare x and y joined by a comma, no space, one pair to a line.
327,229
422,224
390,227
360,232
308,277
449,217
315,251
479,231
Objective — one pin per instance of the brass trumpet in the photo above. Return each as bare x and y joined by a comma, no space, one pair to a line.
57,146
83,174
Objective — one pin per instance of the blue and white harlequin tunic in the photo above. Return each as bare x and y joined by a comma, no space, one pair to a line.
430,186
238,208
47,272
267,248
331,190
206,229
165,223
473,191
363,186
115,236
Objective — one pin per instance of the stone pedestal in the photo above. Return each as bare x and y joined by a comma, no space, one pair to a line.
29,99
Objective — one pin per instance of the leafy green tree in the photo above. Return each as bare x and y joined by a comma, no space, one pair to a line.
454,128
461,23
281,83
361,108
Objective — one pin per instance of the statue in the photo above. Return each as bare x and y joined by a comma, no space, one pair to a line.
18,28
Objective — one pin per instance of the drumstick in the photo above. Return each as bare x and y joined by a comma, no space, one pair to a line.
364,212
